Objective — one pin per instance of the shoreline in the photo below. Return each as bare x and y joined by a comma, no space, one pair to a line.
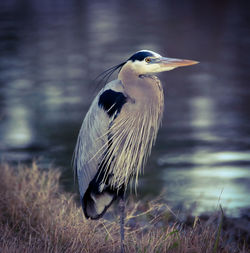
37,215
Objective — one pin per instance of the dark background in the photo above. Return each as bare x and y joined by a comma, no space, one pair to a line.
51,52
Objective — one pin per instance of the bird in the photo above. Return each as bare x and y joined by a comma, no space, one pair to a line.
119,130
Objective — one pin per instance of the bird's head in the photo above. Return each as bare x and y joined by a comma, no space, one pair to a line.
148,62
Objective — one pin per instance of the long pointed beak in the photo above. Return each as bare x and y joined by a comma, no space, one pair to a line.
174,63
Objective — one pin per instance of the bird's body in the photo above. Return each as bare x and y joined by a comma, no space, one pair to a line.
119,130
118,146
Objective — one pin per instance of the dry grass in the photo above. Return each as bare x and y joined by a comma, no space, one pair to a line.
37,216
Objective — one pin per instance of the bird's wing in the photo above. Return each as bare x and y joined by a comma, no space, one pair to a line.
93,136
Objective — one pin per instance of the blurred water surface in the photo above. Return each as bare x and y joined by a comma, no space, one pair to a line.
51,51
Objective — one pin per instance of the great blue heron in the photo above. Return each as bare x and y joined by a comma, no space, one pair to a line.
119,131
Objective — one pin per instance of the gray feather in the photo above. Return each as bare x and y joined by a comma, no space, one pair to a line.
92,140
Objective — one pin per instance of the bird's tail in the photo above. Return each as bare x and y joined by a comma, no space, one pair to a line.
95,204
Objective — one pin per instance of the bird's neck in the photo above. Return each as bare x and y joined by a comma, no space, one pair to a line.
140,87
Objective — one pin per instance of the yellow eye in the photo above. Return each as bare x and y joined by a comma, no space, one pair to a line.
147,60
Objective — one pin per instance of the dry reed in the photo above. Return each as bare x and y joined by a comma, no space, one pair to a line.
37,216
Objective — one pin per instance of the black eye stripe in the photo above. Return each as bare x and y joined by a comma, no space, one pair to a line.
140,56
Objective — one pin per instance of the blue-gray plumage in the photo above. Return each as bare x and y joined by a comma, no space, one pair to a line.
119,130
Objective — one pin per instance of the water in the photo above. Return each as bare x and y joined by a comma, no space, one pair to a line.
52,50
